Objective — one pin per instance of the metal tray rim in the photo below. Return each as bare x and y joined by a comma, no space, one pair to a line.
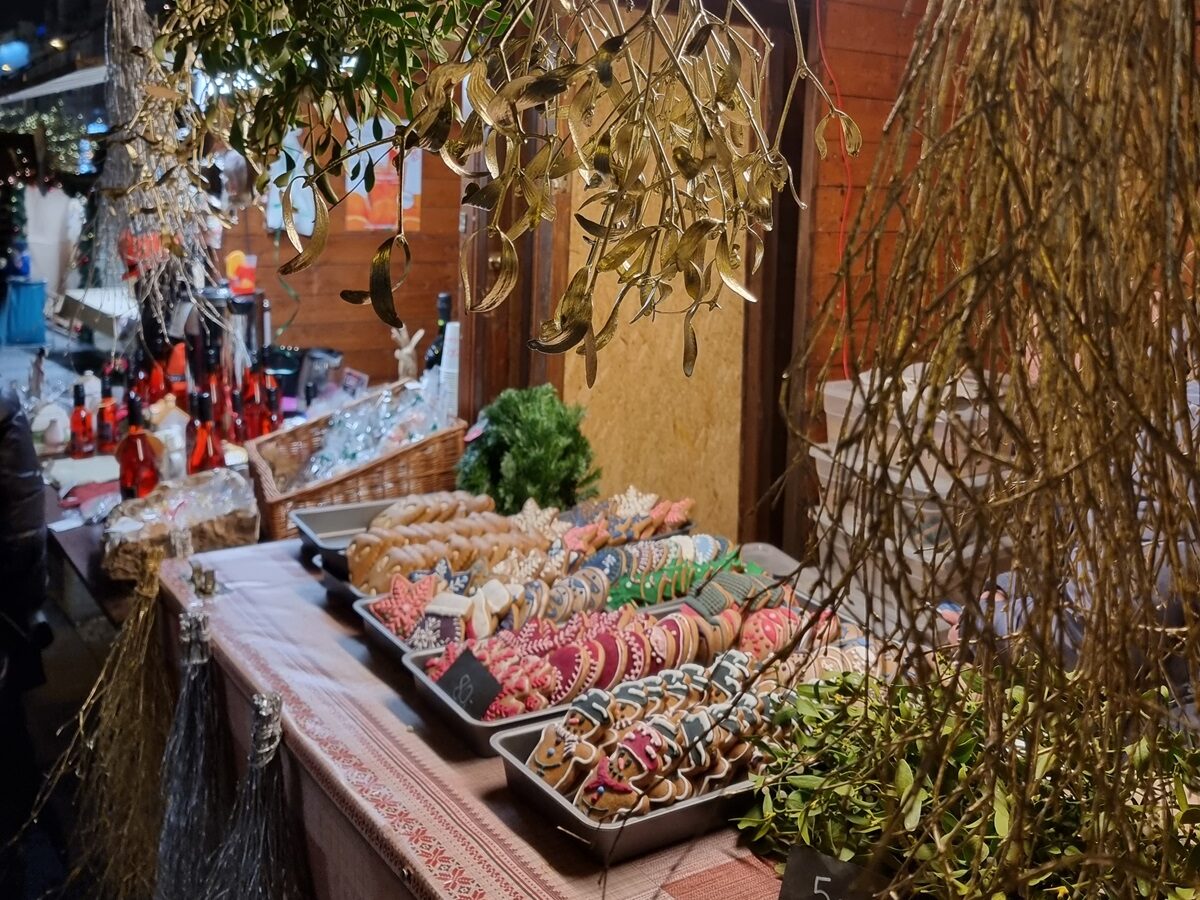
372,623
314,538
498,743
413,662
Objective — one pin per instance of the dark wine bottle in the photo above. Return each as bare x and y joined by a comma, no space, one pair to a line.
433,356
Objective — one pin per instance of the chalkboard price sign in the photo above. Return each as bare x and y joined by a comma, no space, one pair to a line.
810,875
470,685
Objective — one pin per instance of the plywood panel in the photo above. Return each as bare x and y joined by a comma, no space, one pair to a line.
654,427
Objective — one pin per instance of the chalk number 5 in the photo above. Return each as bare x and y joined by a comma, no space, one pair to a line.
817,882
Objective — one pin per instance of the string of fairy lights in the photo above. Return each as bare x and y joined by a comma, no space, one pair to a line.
64,133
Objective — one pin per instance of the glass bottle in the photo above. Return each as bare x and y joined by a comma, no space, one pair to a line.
215,378
205,453
138,378
193,425
237,422
106,418
135,456
271,418
433,356
253,410
156,380
83,430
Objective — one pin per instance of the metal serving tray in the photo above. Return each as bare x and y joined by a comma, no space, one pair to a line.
377,632
614,842
328,530
340,590
476,733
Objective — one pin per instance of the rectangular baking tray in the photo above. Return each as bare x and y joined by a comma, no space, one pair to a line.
614,842
474,732
328,530
378,633
340,590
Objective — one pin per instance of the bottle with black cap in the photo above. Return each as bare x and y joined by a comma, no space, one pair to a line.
135,456
206,453
106,417
271,417
83,429
433,356
237,422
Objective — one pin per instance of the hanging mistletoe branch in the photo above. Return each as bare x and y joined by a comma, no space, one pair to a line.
661,116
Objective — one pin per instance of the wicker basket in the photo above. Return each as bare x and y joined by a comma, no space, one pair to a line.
416,468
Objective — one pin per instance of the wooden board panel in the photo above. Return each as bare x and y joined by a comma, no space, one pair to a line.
323,318
650,424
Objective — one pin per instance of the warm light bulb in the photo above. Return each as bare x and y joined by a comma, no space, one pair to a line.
58,43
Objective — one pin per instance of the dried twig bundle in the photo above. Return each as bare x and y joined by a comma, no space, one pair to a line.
262,854
197,782
152,216
1037,259
120,734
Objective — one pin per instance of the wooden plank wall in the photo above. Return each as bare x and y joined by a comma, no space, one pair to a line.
324,320
868,43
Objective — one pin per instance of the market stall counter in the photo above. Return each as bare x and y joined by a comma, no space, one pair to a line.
393,804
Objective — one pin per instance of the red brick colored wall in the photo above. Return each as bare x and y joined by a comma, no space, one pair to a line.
868,43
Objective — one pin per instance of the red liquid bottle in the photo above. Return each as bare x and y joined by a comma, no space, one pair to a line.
254,411
138,379
156,380
205,453
106,418
135,456
251,380
237,424
217,390
271,417
83,430
194,423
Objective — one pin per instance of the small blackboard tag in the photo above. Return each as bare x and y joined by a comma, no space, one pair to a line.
810,875
470,685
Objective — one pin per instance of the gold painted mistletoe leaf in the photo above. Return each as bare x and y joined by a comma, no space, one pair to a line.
688,165
382,287
691,242
602,62
485,197
581,112
697,42
506,277
819,135
602,154
596,229
548,86
690,346
606,333
480,93
726,266
573,319
316,245
589,356
626,248
731,73
851,134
